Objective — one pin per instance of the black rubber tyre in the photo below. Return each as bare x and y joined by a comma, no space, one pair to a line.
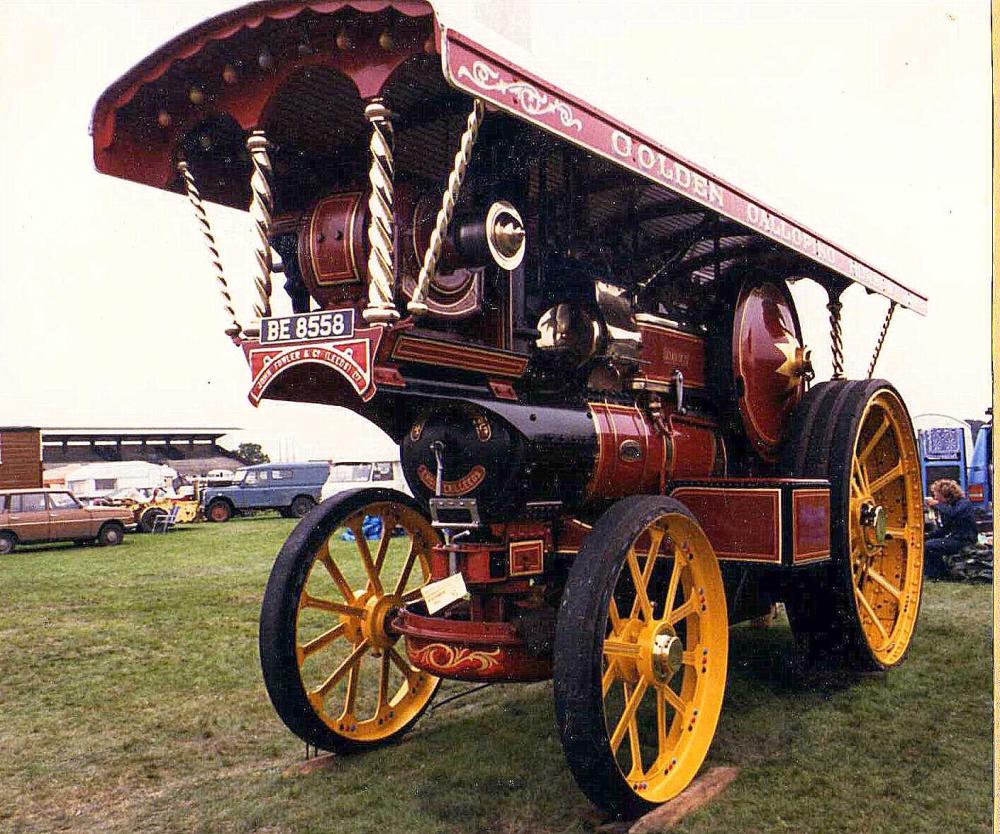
820,601
148,519
219,511
111,534
581,631
301,506
8,543
279,620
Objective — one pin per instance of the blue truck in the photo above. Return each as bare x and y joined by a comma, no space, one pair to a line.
290,488
980,487
943,455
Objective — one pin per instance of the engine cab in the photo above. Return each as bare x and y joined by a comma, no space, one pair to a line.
546,310
586,348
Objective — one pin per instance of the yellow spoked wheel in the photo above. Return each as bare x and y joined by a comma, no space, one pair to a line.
861,610
329,654
886,527
640,655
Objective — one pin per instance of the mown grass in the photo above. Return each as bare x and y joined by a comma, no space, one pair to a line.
131,699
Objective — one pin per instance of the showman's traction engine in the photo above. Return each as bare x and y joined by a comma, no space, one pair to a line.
588,353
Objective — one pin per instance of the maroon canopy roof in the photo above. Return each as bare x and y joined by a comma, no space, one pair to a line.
234,67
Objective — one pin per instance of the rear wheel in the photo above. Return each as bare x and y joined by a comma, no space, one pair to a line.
327,648
148,519
219,511
640,655
302,505
859,612
8,541
111,534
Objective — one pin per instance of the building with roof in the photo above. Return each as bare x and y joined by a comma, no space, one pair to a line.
20,457
188,451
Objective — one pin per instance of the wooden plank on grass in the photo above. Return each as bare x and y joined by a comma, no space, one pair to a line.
304,768
701,791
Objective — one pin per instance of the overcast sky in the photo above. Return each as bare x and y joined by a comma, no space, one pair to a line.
869,122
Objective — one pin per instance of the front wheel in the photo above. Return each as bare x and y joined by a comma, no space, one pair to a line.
219,511
640,655
327,648
8,541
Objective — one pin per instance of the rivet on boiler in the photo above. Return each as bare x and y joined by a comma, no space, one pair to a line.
385,40
343,40
196,95
163,119
229,74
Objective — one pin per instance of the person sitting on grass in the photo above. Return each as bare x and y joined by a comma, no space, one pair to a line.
957,529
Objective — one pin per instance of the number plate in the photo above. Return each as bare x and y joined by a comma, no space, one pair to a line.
326,324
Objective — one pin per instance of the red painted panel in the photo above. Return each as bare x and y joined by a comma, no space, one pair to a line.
526,557
810,525
459,355
766,348
665,350
468,650
351,358
333,250
572,532
694,445
742,524
631,454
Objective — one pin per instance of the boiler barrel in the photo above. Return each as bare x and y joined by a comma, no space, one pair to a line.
514,459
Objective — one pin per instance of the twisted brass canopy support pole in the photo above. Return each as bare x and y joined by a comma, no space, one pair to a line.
194,196
261,209
381,307
417,305
836,336
881,338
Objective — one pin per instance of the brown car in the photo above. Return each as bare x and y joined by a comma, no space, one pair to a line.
29,516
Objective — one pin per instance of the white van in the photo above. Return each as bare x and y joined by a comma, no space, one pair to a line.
352,475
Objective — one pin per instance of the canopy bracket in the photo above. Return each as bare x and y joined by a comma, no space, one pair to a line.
834,291
381,307
881,338
261,211
204,225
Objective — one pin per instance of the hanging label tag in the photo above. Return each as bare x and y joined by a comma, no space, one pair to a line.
444,592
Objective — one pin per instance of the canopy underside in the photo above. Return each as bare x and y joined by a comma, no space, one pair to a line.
301,71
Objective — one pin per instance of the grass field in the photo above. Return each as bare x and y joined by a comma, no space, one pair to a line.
131,700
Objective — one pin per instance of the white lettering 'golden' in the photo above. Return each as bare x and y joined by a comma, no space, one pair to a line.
657,164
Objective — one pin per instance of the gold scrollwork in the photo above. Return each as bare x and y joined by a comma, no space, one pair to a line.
527,96
446,658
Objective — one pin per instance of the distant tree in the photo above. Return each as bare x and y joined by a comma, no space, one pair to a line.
251,453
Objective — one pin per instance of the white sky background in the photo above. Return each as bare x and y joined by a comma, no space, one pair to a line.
869,122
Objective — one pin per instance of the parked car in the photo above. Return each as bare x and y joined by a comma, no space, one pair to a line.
290,488
30,516
350,475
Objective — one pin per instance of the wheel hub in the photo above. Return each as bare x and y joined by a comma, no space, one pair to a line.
661,653
378,615
666,654
874,522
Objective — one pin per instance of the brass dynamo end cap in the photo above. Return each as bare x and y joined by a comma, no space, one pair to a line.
505,235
